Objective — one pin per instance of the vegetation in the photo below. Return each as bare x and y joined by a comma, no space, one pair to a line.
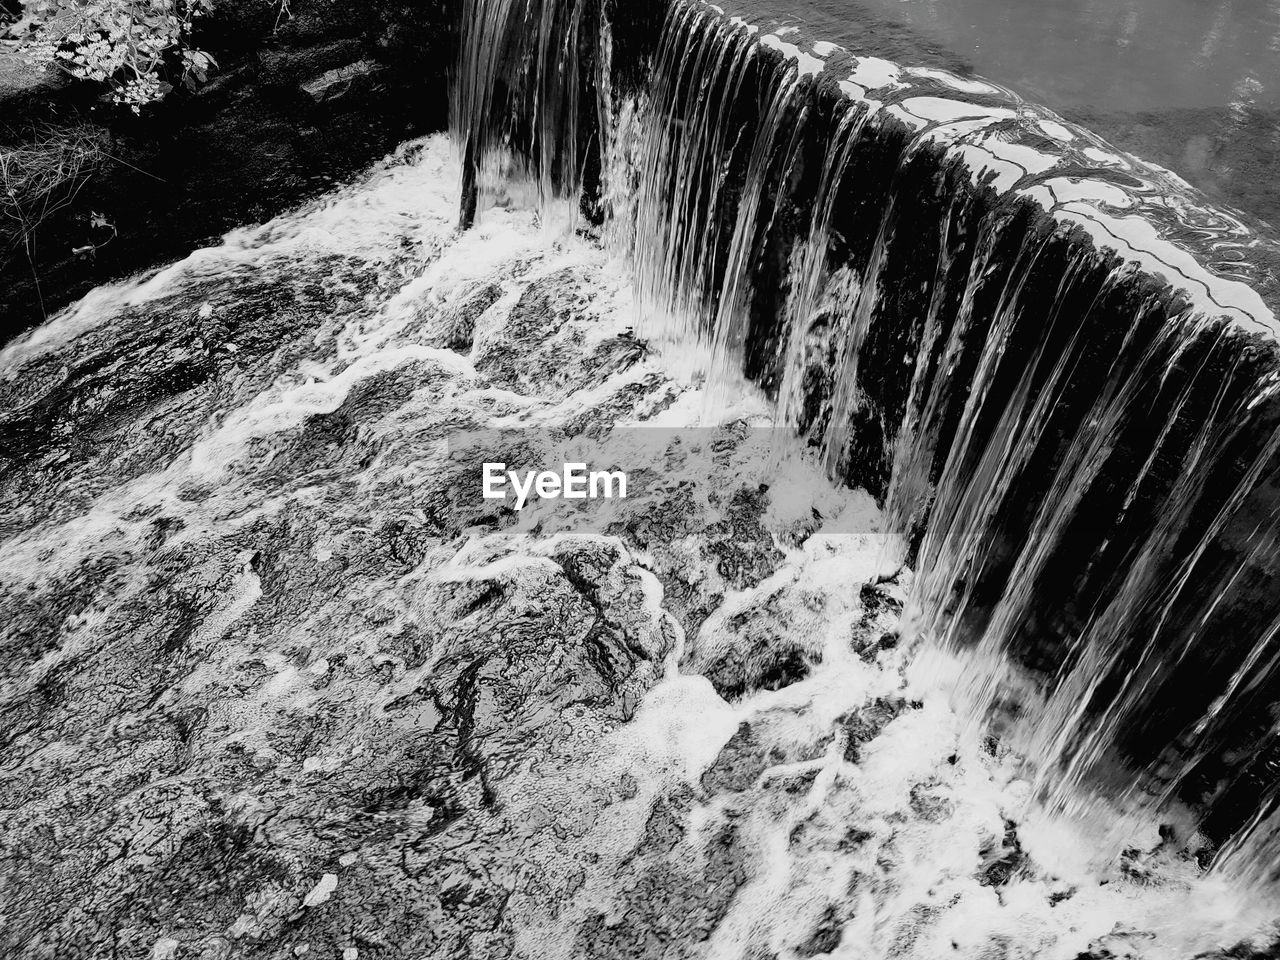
88,192
130,45
138,48
42,177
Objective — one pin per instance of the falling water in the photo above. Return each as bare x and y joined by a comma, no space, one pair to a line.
519,98
1080,458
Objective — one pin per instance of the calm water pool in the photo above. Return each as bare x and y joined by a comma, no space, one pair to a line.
1193,85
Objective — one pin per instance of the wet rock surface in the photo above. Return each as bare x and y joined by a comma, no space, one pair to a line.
273,685
264,695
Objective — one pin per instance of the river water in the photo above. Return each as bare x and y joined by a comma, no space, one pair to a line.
1194,86
276,688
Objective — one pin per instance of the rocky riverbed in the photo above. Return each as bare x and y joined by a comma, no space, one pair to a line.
276,683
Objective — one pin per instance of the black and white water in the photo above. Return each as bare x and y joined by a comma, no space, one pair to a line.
1194,86
269,692
244,632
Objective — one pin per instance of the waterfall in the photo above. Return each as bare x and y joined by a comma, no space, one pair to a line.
522,90
996,325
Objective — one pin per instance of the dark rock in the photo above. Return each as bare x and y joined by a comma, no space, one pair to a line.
745,552
877,627
1004,859
865,724
675,894
333,84
457,322
739,765
778,665
825,937
930,802
767,644
290,66
750,752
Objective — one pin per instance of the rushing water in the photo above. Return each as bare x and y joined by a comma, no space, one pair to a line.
1082,466
983,669
264,625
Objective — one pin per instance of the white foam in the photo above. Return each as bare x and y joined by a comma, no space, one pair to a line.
1103,158
1055,130
964,85
807,64
682,724
873,73
1137,240
941,110
1068,189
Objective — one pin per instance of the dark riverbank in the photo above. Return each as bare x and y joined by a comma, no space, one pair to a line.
295,107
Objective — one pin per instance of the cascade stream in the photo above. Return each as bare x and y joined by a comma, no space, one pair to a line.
939,618
1078,448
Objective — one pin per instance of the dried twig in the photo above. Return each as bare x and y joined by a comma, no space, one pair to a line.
40,178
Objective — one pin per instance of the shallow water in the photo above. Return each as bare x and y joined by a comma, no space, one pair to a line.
1194,86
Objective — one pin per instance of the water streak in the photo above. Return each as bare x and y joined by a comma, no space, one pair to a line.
521,92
